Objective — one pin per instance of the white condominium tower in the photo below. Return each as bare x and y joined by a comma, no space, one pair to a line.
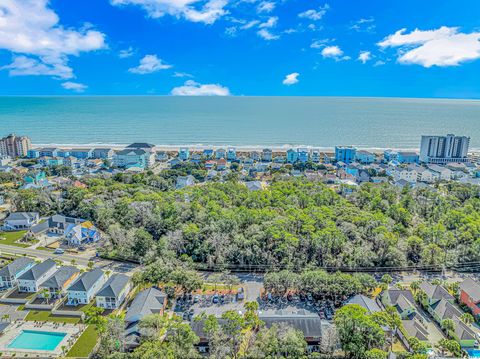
444,149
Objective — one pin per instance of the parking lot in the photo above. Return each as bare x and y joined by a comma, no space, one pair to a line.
190,306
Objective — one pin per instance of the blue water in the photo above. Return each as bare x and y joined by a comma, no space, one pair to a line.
473,353
36,340
238,121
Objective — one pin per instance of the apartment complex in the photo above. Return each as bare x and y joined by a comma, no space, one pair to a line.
15,146
444,149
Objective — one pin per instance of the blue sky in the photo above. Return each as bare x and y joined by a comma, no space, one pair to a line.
241,47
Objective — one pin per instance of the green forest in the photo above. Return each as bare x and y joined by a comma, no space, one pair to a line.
294,224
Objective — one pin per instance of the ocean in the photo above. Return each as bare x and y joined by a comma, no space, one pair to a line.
247,122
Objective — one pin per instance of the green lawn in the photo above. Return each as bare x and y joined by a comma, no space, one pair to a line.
46,316
10,238
85,344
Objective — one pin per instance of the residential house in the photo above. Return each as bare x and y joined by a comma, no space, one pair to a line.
345,154
407,174
85,287
402,300
183,154
369,304
425,175
267,155
48,152
17,221
221,164
364,157
147,302
33,153
315,156
232,154
208,153
63,153
50,161
407,157
220,153
132,158
59,281
102,153
113,292
84,232
292,156
10,273
470,295
255,156
303,155
35,276
443,173
210,164
435,293
184,181
255,185
416,329
56,224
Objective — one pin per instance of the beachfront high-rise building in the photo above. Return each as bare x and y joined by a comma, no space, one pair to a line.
15,146
444,149
345,154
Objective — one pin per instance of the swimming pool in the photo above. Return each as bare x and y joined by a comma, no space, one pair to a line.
473,353
36,340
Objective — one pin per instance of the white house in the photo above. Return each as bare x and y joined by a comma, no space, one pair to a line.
443,172
113,292
406,174
85,287
35,276
10,273
426,175
20,220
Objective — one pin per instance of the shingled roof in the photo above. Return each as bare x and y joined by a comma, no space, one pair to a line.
60,277
38,270
86,280
472,288
148,301
114,286
12,269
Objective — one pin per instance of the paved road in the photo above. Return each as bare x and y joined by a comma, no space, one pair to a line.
67,258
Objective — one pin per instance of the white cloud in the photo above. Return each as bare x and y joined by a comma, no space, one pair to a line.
31,29
315,15
291,79
445,46
250,24
332,51
266,6
318,44
192,10
123,54
149,64
364,56
364,25
192,88
181,74
75,86
271,22
267,35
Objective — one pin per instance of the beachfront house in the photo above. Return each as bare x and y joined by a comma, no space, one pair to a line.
131,157
303,155
48,152
292,156
232,154
85,287
147,302
113,292
184,154
10,273
407,157
81,233
364,157
220,153
267,155
102,153
59,281
470,295
17,221
82,153
35,276
345,154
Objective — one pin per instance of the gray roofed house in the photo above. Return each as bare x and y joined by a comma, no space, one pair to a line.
10,273
445,310
85,287
472,288
113,292
55,224
369,304
415,329
463,331
35,276
20,220
60,280
148,301
402,300
435,292
142,145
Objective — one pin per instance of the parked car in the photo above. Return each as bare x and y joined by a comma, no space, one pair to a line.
59,251
240,294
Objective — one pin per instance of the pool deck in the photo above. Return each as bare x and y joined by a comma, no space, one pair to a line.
72,334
